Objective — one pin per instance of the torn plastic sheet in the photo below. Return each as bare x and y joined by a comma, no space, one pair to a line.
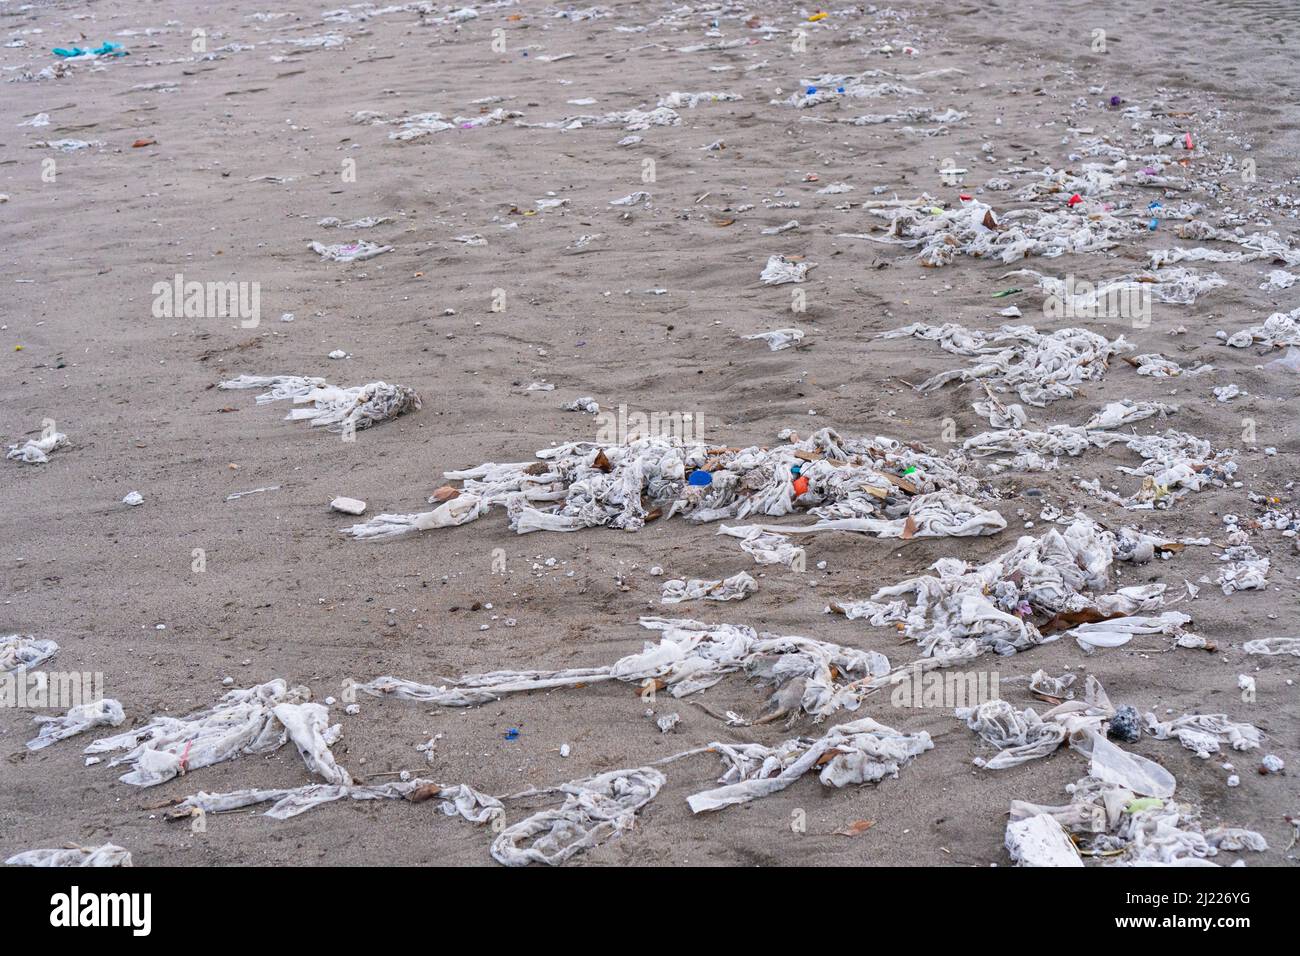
974,229
676,101
1257,245
24,651
418,125
357,251
1110,822
689,657
594,810
1112,765
941,514
366,222
337,409
309,728
76,856
36,451
244,721
1273,645
766,547
1040,841
1021,736
460,800
585,484
1247,572
780,270
585,404
1280,328
863,751
1040,367
735,588
1174,285
829,87
1040,682
1053,578
909,114
633,120
1127,412
101,713
1117,632
778,339
1205,733
1176,463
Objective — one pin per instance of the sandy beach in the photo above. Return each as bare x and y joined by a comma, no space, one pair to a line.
219,156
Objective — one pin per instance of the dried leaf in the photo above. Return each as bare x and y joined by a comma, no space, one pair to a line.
426,792
1068,619
445,493
856,827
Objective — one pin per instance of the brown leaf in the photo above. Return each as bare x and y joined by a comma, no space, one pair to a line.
144,142
426,792
989,221
601,461
828,756
909,528
445,493
901,483
1068,619
722,223
856,827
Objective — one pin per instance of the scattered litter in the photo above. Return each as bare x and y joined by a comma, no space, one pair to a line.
25,651
101,713
349,251
36,451
735,588
335,408
778,339
72,855
780,270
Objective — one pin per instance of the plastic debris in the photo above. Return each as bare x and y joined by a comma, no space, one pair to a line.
778,339
780,270
36,451
100,713
594,810
19,651
337,409
357,251
863,751
1040,841
689,657
735,588
97,856
246,721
